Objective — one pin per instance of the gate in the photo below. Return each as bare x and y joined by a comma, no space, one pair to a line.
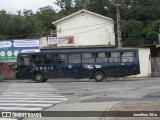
155,66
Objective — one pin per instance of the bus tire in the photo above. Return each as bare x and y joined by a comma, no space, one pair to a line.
99,76
38,77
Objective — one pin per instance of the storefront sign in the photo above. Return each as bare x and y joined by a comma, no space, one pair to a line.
9,49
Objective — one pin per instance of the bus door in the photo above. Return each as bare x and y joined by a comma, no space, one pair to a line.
61,66
74,65
74,70
114,63
88,64
127,66
50,63
23,68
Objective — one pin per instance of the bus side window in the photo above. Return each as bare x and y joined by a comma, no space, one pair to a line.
62,58
37,59
74,58
127,56
101,58
49,59
114,57
88,58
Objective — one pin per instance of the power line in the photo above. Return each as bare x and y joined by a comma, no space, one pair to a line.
89,30
56,30
84,26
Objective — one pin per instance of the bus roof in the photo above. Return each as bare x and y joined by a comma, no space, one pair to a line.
81,50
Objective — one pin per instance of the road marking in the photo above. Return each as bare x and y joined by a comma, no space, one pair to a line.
20,109
25,104
36,96
29,98
8,119
29,101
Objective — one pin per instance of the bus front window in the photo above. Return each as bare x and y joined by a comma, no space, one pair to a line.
23,61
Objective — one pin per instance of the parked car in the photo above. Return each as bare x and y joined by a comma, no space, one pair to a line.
1,76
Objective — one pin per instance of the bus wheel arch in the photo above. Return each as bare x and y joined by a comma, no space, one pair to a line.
38,77
99,76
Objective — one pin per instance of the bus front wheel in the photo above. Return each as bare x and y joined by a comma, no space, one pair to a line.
38,77
99,76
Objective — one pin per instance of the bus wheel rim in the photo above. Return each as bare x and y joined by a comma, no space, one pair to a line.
99,77
38,77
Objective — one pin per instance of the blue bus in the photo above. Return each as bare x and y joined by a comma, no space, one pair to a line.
93,63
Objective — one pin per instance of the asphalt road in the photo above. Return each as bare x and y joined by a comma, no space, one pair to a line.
109,90
90,91
27,95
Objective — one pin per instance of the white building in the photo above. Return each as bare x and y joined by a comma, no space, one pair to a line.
87,28
145,63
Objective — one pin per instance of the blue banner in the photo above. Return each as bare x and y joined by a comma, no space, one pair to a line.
10,48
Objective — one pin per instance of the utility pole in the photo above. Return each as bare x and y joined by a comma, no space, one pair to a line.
117,4
159,35
119,36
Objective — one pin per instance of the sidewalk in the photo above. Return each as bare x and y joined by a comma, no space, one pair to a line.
94,106
109,79
105,106
150,106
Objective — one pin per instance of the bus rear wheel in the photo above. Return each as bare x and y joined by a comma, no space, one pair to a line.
99,76
38,77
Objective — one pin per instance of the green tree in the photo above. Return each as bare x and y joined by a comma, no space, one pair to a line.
133,31
151,32
144,10
66,7
46,15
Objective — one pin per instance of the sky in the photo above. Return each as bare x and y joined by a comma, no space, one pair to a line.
13,6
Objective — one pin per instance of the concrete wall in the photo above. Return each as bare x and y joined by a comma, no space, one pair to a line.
145,63
87,29
43,42
7,72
